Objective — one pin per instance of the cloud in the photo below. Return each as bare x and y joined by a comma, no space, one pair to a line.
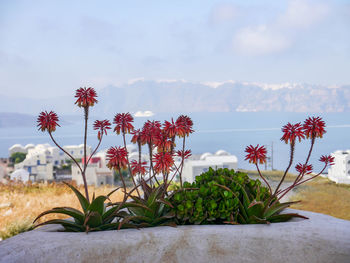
259,40
224,12
303,14
280,34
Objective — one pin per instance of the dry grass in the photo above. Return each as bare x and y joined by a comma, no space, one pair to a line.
326,197
27,201
274,175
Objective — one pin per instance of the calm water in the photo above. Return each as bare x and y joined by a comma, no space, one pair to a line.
213,131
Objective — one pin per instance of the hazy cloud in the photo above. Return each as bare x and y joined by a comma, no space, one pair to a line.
303,14
280,34
259,40
224,12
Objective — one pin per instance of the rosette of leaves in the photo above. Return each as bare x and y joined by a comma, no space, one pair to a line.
94,217
214,197
260,208
151,209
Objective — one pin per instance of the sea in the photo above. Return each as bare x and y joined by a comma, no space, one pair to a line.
229,131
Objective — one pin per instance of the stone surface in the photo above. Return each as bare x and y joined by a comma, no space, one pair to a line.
319,239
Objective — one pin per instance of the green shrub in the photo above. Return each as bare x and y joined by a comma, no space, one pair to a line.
215,197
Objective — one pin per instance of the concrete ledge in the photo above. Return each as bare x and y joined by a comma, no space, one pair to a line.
320,239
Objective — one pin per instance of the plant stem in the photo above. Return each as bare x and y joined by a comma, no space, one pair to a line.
93,153
285,191
127,158
139,147
63,150
182,160
123,182
292,144
151,162
75,161
86,116
257,167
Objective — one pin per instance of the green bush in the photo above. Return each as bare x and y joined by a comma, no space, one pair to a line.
16,228
215,197
17,157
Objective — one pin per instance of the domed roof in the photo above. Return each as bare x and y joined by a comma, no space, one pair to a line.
15,146
222,153
29,145
205,155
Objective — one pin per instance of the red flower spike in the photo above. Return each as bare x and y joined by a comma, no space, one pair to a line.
117,158
256,154
184,126
123,123
138,168
314,127
149,131
292,132
303,169
161,140
136,138
47,121
164,161
170,128
86,97
102,126
327,159
184,154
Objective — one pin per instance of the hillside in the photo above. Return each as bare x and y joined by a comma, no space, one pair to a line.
183,96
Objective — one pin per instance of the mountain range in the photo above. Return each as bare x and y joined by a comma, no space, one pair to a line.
184,96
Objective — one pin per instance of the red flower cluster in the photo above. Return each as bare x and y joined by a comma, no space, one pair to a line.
47,121
303,169
256,154
86,97
314,127
123,123
184,154
327,159
117,158
102,126
138,168
170,128
136,138
161,140
292,132
164,161
184,126
150,131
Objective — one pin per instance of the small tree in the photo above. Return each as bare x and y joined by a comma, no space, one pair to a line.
17,157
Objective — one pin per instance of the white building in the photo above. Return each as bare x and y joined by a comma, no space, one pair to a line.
20,148
41,159
20,175
340,171
77,151
97,173
221,159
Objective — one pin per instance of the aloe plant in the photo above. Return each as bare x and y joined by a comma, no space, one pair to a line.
149,210
255,207
93,217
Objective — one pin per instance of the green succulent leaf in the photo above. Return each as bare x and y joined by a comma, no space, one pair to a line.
277,208
83,201
284,217
63,222
93,219
76,214
98,205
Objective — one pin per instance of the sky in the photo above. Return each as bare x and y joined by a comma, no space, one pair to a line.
50,48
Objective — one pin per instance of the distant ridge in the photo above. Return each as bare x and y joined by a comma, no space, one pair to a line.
184,96
9,119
